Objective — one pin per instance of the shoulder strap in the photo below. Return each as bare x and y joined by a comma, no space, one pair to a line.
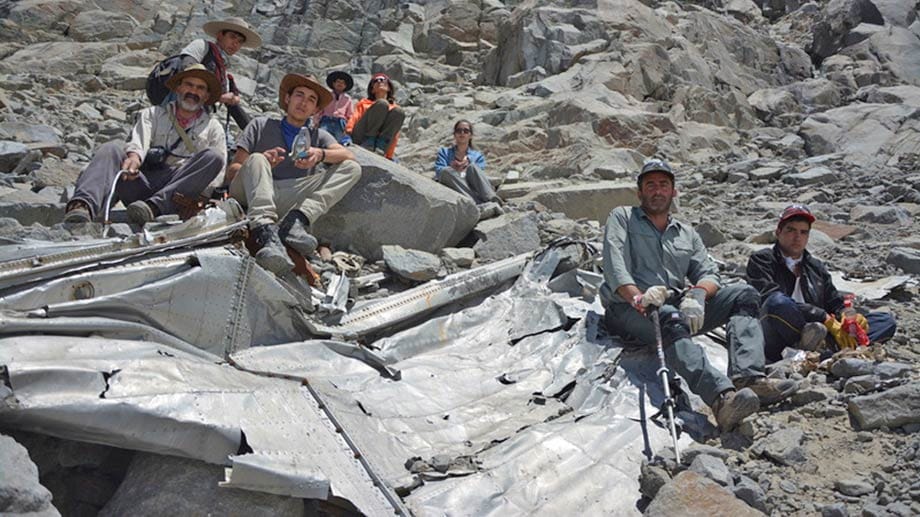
182,134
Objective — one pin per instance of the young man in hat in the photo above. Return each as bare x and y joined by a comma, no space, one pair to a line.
653,260
376,121
801,306
274,185
230,35
174,149
335,115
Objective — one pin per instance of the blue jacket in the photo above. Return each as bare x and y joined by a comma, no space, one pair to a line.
446,155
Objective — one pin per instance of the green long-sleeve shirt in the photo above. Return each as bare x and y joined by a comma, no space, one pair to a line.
635,252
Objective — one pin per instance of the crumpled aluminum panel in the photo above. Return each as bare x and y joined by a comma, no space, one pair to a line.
147,397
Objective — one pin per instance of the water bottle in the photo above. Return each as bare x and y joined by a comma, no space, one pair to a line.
301,144
851,325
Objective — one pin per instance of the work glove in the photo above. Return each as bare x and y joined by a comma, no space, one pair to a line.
840,335
654,296
693,307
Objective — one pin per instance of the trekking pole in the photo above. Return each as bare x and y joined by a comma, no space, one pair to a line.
664,374
108,203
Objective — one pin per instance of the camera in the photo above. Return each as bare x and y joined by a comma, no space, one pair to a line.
155,158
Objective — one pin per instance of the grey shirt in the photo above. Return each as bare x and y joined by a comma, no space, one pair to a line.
265,133
635,252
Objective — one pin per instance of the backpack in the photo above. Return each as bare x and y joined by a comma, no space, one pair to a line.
156,80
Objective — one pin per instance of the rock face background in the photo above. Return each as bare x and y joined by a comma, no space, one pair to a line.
757,103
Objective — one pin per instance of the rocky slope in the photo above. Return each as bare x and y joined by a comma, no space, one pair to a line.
756,103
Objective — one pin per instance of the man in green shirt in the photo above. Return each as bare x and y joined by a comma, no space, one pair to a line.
653,260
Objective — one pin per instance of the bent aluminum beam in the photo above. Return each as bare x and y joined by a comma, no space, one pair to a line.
42,266
408,304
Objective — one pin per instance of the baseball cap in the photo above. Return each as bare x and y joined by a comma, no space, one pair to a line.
796,210
655,165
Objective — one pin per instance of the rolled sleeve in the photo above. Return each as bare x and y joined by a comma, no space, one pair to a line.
616,270
702,267
141,134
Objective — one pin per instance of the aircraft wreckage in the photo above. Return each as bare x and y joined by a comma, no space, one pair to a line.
489,391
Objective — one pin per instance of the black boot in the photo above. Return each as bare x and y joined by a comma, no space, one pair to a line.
271,255
295,232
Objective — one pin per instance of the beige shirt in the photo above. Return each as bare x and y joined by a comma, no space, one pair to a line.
154,128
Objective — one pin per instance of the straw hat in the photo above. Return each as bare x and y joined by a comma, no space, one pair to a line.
292,81
198,71
214,28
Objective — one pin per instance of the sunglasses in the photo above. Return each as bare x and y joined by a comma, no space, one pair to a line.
379,80
463,130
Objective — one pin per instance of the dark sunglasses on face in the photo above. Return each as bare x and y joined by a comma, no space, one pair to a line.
379,80
463,130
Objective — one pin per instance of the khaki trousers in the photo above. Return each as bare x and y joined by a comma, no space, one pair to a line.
267,200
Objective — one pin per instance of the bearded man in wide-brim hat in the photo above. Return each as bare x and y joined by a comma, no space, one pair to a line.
230,35
175,151
285,193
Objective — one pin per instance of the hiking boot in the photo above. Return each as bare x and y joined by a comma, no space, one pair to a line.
140,213
294,231
734,406
77,213
271,254
769,391
813,336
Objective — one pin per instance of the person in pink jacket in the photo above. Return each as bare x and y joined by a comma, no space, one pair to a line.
334,117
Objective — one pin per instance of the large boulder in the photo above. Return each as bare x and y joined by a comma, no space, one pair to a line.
898,49
587,201
691,494
393,205
865,133
99,25
837,19
892,408
189,487
62,58
20,491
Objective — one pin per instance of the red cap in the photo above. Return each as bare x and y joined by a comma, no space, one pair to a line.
796,210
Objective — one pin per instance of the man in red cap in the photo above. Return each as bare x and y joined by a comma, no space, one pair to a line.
801,306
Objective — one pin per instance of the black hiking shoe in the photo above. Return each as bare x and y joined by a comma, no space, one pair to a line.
271,254
294,231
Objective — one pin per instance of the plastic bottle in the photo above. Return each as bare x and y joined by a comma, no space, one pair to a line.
851,325
301,144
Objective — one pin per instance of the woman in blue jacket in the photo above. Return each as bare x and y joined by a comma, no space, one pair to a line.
461,167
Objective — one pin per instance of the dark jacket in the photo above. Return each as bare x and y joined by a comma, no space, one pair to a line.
767,272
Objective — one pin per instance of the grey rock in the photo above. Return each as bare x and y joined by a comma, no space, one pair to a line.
880,215
11,153
713,468
813,176
20,491
651,479
462,257
590,201
907,259
28,207
506,236
838,17
897,12
690,493
770,103
788,486
835,510
414,265
892,408
189,487
29,133
808,395
751,493
853,487
387,201
689,454
710,234
783,446
861,384
891,370
851,367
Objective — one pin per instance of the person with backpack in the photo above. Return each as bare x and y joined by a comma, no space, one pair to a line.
230,35
275,173
174,150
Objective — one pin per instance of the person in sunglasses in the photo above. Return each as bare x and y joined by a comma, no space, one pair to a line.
376,120
461,167
801,306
